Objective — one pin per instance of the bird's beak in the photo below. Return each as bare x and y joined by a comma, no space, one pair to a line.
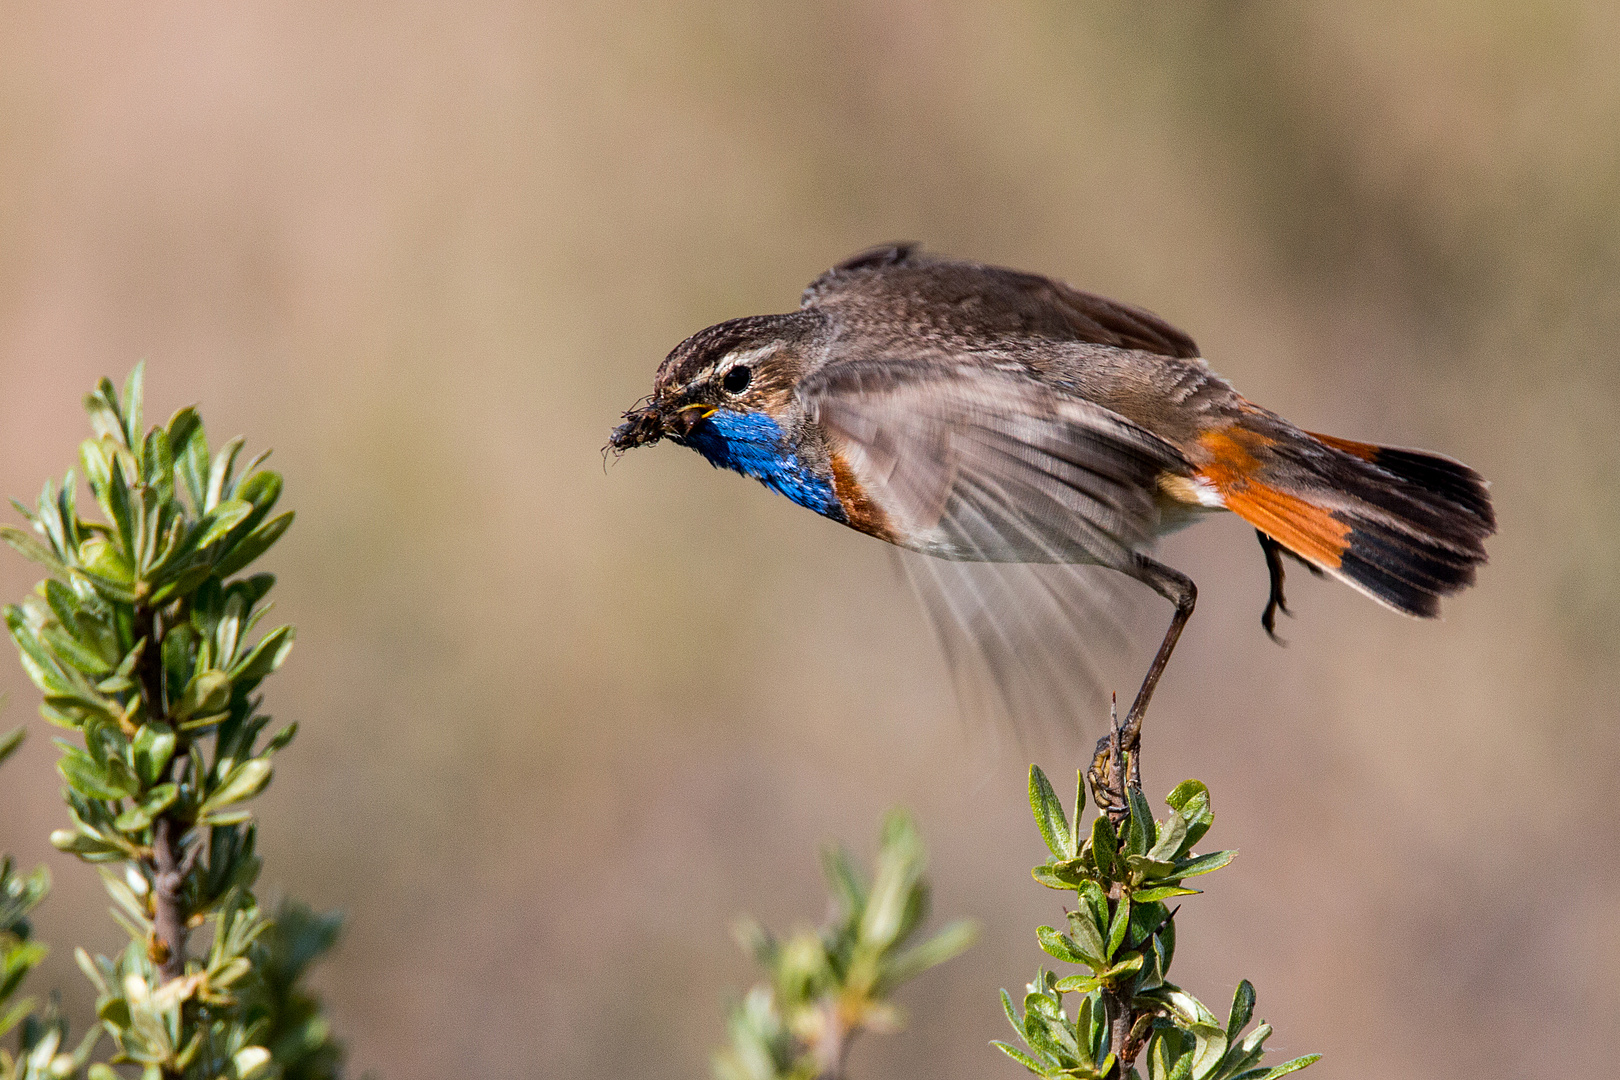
683,420
647,423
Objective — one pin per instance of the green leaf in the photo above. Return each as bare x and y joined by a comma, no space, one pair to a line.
92,780
1150,869
1061,946
183,582
1049,817
1208,1049
1139,832
1158,1055
219,472
1172,837
1190,799
1282,1070
181,427
221,819
1203,864
113,497
1242,1009
1056,876
1161,892
71,651
190,444
1105,847
140,817
1096,902
1082,984
157,459
10,1018
1048,1037
262,488
63,603
134,395
950,941
220,521
244,782
1007,1007
1251,1048
208,693
1019,1056
1187,1009
1121,922
281,739
895,903
41,666
1128,966
1086,933
107,569
90,848
18,960
32,549
11,740
98,466
266,656
179,652
254,544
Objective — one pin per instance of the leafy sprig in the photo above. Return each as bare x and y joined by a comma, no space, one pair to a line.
827,986
142,641
1122,934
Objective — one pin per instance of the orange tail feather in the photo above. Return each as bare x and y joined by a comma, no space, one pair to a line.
1406,527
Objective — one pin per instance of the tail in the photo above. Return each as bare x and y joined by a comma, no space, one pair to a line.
1406,527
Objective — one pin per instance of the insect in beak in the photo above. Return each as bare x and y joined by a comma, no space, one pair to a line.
642,425
646,424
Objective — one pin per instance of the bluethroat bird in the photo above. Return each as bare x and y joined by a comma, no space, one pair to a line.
980,415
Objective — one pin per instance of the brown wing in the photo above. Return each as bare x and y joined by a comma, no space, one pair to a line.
982,462
1032,648
1014,483
898,289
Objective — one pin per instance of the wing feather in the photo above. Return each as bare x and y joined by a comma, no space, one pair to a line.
1003,487
984,463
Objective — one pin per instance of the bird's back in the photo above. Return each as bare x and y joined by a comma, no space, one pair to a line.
899,293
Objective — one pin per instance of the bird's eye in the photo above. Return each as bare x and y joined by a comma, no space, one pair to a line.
736,380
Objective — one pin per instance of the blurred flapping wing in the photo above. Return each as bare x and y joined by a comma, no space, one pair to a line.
1032,648
982,468
985,463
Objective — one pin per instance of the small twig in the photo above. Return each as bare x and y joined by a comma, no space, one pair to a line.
168,914
1116,770
832,1048
169,865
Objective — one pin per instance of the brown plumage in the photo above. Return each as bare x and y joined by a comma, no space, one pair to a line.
981,415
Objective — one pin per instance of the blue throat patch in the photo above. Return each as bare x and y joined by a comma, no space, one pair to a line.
754,445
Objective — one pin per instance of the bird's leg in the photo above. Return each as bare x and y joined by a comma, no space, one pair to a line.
1179,589
1276,601
1274,568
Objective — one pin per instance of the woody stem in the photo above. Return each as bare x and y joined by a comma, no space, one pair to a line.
167,865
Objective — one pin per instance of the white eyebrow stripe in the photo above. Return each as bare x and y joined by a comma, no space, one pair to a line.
729,361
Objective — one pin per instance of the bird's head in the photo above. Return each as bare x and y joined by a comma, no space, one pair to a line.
728,393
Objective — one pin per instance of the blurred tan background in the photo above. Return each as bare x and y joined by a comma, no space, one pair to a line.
561,723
